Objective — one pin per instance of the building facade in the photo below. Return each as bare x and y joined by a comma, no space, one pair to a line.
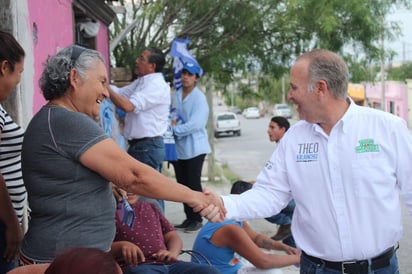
395,98
43,27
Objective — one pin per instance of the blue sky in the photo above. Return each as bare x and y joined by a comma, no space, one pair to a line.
402,45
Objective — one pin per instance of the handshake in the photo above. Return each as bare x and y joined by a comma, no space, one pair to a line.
210,206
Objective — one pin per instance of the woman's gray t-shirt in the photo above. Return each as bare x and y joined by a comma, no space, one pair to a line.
71,205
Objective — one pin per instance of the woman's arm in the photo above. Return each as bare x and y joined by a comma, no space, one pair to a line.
196,120
8,217
114,164
238,239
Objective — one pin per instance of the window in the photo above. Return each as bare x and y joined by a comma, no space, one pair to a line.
85,28
225,117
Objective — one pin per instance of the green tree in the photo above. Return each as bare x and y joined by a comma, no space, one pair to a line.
400,73
262,35
361,70
271,89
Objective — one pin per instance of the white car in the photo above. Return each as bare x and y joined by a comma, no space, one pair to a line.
252,112
227,122
282,110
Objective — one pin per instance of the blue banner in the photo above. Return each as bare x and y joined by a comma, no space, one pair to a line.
181,56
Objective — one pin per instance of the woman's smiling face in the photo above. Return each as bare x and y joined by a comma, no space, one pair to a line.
91,91
8,78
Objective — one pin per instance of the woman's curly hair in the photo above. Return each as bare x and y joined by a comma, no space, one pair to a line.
55,79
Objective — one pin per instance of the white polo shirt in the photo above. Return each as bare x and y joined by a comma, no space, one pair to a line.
150,95
346,185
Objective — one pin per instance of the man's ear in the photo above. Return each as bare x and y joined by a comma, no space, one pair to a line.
153,67
321,87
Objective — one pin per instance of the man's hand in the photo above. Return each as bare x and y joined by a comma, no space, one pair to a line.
215,210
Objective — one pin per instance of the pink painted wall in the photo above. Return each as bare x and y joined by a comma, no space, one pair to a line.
103,44
55,30
395,92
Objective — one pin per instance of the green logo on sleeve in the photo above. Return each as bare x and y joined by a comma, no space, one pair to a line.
367,145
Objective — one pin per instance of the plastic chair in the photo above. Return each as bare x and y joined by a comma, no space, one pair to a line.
196,255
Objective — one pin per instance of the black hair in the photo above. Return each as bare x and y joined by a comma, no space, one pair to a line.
10,49
281,121
157,57
240,186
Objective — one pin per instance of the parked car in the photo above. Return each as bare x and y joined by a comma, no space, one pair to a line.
282,110
235,109
227,123
251,112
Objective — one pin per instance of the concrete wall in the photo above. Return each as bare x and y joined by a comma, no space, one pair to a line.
409,84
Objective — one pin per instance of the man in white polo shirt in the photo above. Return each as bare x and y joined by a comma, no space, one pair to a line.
146,102
344,165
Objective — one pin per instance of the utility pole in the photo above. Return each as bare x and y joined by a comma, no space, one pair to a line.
403,53
283,88
231,97
383,67
210,133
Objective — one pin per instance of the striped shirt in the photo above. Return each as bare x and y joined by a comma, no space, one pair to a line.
10,161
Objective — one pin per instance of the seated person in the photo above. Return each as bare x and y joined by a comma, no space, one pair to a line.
30,269
151,244
79,260
83,260
219,242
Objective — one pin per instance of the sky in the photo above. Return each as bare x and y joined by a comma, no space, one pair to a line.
403,44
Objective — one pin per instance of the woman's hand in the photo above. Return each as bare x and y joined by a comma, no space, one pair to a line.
14,236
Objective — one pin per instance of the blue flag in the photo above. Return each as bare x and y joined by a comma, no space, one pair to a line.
181,56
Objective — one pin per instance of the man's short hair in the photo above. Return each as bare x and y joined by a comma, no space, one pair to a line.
281,121
157,57
240,186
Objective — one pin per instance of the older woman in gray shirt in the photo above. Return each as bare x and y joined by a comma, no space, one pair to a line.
68,163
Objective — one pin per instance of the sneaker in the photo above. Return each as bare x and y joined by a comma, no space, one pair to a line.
183,225
283,232
194,226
